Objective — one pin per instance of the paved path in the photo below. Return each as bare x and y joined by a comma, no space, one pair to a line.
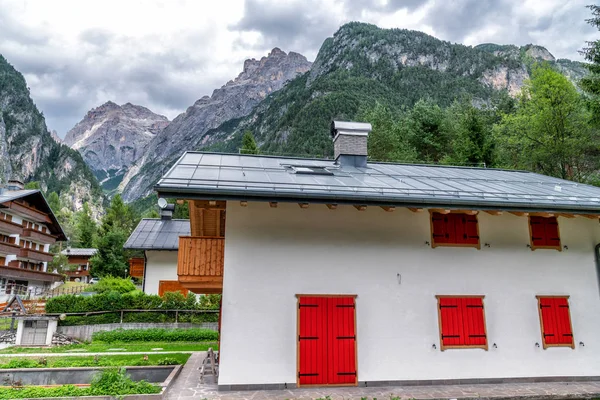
187,386
89,353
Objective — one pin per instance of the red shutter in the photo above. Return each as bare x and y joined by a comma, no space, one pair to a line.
341,341
538,231
459,222
471,231
556,321
312,340
474,321
439,223
451,319
551,232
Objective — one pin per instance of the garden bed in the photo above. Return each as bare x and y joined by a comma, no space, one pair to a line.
92,361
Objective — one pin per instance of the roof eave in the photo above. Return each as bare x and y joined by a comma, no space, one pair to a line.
261,196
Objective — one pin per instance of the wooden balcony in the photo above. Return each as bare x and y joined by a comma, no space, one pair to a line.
20,273
200,264
35,255
9,248
9,227
38,236
29,212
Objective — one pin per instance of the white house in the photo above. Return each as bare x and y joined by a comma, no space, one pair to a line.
352,273
27,229
159,240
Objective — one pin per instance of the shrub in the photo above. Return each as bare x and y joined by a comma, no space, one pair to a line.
110,284
156,335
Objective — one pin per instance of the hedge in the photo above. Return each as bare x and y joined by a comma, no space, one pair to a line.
114,301
156,335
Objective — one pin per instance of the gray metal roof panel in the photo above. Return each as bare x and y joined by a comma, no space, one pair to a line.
158,234
248,177
79,252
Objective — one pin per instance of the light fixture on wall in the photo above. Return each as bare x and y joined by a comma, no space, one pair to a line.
487,245
537,345
494,346
566,247
528,246
582,344
433,346
426,243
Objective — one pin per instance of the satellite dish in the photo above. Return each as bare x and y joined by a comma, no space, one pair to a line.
162,203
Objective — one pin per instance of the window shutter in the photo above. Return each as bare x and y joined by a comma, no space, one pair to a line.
451,320
551,232
556,321
474,322
439,223
538,231
471,231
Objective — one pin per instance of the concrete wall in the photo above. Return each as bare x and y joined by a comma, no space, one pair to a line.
85,332
160,266
272,254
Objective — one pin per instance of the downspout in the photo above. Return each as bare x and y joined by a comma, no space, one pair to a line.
597,258
144,275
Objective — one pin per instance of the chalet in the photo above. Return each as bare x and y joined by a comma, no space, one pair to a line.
348,272
79,261
158,238
27,229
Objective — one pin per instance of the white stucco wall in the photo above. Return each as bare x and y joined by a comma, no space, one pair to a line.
272,254
160,266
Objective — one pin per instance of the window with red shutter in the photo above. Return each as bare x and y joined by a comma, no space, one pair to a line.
555,321
454,229
326,341
462,322
543,232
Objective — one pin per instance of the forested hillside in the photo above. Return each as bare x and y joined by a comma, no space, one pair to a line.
431,101
28,152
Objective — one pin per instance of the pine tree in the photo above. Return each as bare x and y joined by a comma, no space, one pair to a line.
119,216
248,144
590,84
85,227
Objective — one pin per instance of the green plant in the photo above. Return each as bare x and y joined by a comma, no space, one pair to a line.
112,284
149,335
168,361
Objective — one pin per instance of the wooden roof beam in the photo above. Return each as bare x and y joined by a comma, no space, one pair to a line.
566,215
493,212
543,214
273,204
441,211
590,216
415,210
303,205
519,213
388,208
244,203
360,207
332,206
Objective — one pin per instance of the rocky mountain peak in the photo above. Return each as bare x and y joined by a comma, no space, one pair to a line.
235,99
111,138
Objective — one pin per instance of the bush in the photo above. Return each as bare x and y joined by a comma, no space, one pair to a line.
112,382
110,284
156,335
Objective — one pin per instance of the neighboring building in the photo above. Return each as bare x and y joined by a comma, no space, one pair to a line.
79,261
159,239
353,273
27,229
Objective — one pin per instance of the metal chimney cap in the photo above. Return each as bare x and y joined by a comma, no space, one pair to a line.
350,128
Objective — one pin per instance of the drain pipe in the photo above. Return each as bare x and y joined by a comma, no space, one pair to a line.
597,258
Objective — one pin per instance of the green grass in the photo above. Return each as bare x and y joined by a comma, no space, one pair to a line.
93,361
5,324
99,347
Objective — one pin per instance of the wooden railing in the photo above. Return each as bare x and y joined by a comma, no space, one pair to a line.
38,236
35,255
200,264
30,212
10,227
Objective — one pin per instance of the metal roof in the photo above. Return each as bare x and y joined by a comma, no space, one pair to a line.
158,234
79,252
264,178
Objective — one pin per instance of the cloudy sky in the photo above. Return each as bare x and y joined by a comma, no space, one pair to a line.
166,54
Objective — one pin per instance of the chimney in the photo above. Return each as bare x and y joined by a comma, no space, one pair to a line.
14,184
350,142
166,214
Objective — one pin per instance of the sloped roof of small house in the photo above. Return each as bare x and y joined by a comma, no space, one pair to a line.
158,234
35,197
79,252
215,176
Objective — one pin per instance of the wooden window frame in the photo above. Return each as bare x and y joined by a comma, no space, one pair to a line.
533,246
298,296
434,244
545,345
439,311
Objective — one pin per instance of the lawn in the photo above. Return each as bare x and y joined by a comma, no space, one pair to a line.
100,347
93,361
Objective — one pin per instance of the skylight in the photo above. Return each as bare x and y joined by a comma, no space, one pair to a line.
311,170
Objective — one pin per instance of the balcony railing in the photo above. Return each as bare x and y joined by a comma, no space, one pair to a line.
38,236
9,248
200,264
36,255
9,227
30,212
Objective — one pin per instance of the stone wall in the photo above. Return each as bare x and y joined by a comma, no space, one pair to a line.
8,337
85,332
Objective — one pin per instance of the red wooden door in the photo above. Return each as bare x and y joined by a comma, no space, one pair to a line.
326,341
312,341
341,341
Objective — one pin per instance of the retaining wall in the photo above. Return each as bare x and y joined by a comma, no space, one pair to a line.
85,332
